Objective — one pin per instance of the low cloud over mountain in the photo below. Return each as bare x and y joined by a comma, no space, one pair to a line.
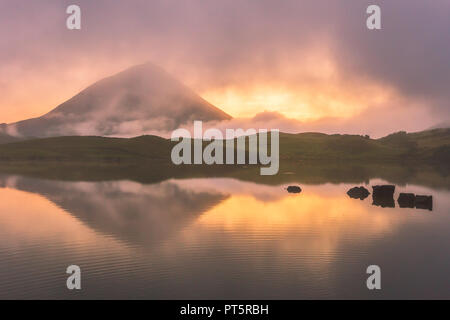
144,99
141,99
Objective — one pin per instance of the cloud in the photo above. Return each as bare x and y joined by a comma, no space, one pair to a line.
319,53
377,123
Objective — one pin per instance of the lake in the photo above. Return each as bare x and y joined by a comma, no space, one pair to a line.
218,238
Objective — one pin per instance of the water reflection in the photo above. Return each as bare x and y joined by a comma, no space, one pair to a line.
130,211
215,238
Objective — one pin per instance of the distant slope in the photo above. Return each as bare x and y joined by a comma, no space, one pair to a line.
431,146
139,99
441,125
87,149
319,146
428,146
5,138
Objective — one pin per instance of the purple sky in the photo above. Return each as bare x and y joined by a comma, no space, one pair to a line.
311,65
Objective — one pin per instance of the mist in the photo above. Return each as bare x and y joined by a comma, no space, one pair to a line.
314,63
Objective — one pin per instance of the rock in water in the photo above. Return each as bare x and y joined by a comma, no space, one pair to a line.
383,196
424,202
406,200
358,193
384,190
294,189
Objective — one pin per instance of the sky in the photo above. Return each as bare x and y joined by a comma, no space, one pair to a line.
308,65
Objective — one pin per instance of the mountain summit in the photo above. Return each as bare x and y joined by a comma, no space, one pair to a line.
141,99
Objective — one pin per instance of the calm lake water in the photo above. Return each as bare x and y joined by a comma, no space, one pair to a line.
217,239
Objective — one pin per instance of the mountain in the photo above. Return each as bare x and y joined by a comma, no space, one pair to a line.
4,136
441,125
143,98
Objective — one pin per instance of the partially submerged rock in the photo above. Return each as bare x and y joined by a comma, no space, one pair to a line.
383,191
406,200
358,193
294,189
424,202
383,196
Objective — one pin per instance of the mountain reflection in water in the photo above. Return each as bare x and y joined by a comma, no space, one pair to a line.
217,238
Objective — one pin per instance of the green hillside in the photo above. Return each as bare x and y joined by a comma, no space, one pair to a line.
425,147
87,149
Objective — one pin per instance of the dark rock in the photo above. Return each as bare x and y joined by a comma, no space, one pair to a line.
358,193
294,189
406,200
383,202
424,202
384,191
383,196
